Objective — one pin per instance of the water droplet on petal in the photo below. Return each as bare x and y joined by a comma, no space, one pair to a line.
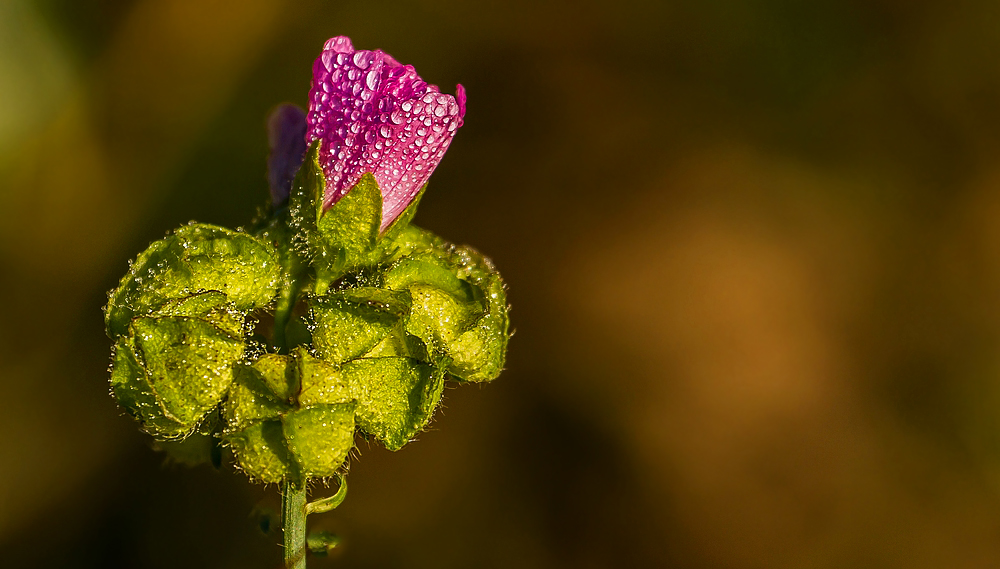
363,58
372,79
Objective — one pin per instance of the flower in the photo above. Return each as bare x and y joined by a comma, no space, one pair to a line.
286,130
374,114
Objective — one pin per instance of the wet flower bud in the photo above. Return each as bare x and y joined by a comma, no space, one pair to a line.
374,114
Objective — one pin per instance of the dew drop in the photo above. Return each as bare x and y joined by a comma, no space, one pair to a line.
372,79
363,59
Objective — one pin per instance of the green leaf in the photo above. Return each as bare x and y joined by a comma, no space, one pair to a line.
350,323
320,437
188,362
196,258
261,452
396,396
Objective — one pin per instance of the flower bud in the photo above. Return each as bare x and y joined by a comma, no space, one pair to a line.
374,114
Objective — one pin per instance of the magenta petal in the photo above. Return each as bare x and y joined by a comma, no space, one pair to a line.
374,114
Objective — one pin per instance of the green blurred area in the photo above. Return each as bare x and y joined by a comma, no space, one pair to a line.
753,251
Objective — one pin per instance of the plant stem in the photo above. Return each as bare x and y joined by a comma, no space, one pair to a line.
283,313
293,514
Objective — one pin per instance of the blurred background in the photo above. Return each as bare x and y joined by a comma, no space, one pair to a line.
753,251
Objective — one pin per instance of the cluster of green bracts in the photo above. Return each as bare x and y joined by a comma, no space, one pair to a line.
367,327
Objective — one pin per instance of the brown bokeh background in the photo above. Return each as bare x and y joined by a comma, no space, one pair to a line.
753,251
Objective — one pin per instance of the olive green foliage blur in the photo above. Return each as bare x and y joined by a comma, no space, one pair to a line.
391,316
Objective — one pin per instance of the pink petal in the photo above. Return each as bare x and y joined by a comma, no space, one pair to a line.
374,114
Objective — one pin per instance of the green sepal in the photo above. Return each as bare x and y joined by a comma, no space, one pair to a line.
212,306
250,400
322,383
479,353
396,396
261,451
130,387
350,323
188,364
429,271
320,437
341,238
194,259
277,376
405,242
458,308
352,223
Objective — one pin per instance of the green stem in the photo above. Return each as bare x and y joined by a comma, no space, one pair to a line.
283,313
293,514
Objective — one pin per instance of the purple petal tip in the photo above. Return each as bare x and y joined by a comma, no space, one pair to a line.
286,129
